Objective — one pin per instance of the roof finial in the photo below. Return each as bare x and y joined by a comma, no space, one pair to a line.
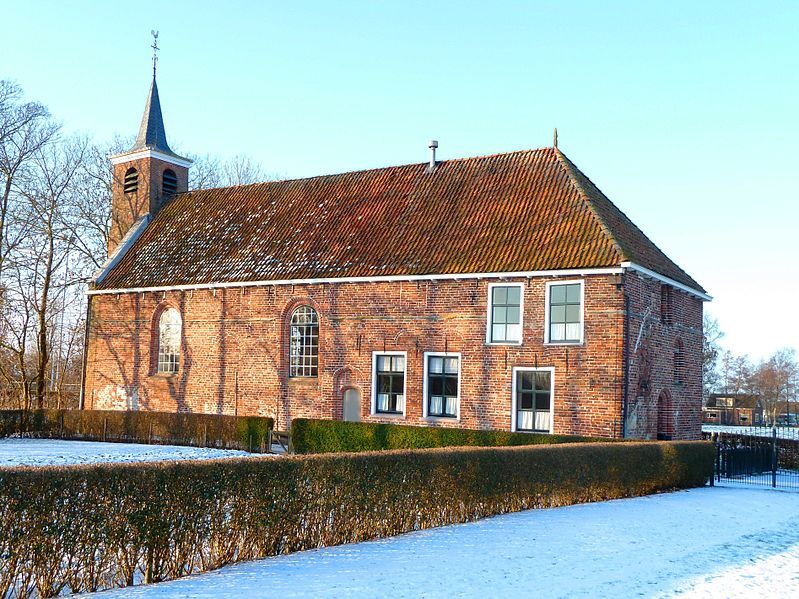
155,48
555,137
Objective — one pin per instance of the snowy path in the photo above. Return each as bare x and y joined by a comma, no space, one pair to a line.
711,542
45,452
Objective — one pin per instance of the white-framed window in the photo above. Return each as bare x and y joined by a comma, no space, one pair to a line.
533,401
304,343
505,313
564,312
389,383
442,385
169,341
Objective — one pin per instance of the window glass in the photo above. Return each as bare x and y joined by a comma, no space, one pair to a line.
169,341
505,325
533,400
304,343
389,384
565,309
442,386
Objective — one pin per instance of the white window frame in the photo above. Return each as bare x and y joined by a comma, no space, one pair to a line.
425,413
517,369
373,409
582,311
490,312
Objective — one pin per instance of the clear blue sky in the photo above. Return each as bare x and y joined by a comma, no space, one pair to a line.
684,113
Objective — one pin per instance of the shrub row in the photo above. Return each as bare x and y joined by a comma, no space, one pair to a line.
209,430
85,528
331,436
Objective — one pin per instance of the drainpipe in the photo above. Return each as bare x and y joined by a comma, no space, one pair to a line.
625,365
82,400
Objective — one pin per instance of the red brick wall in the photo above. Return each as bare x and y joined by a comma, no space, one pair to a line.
235,352
127,208
656,378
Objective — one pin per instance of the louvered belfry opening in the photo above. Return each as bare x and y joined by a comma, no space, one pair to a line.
169,182
131,183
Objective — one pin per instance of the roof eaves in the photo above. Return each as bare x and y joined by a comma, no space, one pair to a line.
127,242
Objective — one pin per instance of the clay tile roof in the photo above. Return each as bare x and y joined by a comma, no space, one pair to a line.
522,211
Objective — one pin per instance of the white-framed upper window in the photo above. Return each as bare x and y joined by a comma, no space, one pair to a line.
564,312
533,401
304,343
169,341
505,313
442,385
388,383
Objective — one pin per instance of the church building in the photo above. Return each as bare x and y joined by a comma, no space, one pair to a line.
495,292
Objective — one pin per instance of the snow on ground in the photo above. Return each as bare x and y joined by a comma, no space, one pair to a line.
710,542
47,452
783,432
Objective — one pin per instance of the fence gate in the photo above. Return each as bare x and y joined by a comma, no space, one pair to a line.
761,456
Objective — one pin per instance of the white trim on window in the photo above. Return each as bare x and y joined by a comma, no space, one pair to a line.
517,369
373,385
424,387
489,312
582,312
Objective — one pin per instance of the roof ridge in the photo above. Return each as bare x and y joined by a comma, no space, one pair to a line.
569,167
373,169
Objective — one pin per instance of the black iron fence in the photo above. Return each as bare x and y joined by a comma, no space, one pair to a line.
760,456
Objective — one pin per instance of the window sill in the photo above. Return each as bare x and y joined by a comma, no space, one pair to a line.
388,415
165,375
303,380
506,343
441,419
564,343
531,432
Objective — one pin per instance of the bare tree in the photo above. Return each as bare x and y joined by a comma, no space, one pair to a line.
38,289
774,381
208,172
710,356
25,128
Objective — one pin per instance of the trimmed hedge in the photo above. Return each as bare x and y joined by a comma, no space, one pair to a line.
333,436
167,428
86,528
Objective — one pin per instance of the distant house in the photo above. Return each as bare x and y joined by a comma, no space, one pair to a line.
734,409
498,292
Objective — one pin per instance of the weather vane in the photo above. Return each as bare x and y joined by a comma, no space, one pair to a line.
155,49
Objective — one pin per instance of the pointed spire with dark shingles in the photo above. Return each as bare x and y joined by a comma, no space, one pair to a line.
152,135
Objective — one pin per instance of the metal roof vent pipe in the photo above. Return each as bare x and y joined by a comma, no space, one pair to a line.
432,145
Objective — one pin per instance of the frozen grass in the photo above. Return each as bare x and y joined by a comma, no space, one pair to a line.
718,542
54,452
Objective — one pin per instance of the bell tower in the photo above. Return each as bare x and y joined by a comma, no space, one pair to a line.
148,174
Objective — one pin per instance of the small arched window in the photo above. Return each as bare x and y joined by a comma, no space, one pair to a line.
679,362
131,182
169,342
304,343
169,182
665,304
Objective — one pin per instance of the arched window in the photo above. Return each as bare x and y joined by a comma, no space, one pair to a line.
679,362
304,343
131,183
169,182
665,429
169,342
665,304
